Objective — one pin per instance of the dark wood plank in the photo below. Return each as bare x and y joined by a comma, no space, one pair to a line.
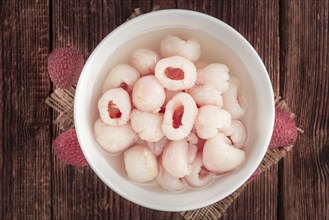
256,200
305,83
170,4
211,7
25,122
78,193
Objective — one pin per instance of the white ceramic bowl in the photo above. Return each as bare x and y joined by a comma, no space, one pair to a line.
243,61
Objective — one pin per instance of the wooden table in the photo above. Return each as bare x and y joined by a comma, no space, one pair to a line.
291,38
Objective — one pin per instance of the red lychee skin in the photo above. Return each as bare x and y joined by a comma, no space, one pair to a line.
67,148
285,130
64,66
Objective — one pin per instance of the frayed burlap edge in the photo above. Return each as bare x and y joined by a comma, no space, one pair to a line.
137,12
62,100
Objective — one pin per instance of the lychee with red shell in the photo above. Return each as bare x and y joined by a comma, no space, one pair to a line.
65,66
285,130
67,148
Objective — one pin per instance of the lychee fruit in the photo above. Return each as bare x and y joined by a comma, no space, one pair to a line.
67,148
64,66
285,130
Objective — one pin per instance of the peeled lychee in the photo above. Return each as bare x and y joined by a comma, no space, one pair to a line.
285,130
67,149
64,66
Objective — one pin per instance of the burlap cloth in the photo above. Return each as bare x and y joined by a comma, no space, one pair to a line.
61,100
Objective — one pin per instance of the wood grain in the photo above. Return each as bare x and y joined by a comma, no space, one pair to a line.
305,83
290,36
25,120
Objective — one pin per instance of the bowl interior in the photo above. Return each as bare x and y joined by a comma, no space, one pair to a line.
219,43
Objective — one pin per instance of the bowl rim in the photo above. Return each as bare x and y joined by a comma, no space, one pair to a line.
78,122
